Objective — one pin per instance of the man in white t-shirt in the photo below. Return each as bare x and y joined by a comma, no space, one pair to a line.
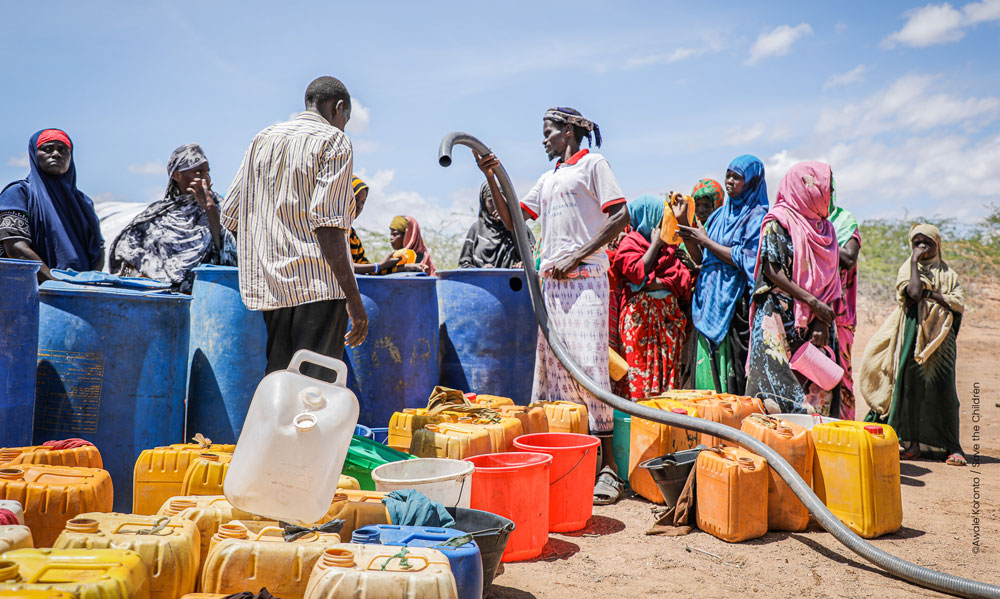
581,208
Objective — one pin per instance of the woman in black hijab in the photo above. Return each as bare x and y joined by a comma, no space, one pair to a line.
489,244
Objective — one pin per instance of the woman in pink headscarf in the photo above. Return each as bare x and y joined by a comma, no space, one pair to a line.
797,293
404,233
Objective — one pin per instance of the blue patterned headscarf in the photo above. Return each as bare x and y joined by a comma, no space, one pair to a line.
735,225
645,214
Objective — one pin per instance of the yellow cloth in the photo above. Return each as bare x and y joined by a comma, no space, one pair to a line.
399,223
881,357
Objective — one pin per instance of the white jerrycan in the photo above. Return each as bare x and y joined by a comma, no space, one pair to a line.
293,444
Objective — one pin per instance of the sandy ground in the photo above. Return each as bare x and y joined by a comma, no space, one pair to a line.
613,557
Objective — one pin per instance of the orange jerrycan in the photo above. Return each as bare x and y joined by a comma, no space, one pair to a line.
353,571
565,416
718,410
856,475
731,490
15,536
648,439
85,456
451,440
402,424
785,511
357,509
51,495
82,573
159,473
669,227
35,594
168,546
532,418
743,406
239,560
205,474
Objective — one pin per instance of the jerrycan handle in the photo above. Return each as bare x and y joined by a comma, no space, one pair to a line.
304,355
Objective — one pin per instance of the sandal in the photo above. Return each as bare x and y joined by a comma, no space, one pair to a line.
609,488
911,453
955,459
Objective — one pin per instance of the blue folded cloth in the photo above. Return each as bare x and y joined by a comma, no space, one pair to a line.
412,508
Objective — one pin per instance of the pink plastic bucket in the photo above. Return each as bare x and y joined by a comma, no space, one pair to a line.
817,365
515,485
571,478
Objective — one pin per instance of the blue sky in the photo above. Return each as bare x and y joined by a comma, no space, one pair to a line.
902,98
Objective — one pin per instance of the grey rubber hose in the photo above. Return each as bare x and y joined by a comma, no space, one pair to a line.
908,571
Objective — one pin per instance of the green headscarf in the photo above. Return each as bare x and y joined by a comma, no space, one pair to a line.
843,221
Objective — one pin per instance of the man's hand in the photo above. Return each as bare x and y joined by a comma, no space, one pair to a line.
359,322
565,266
487,163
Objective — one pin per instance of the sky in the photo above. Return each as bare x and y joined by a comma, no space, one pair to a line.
902,98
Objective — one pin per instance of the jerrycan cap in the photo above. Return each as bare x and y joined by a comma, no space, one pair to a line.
747,463
9,571
875,429
305,421
679,411
312,397
11,473
9,454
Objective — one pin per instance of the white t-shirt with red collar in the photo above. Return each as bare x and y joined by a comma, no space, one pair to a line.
572,203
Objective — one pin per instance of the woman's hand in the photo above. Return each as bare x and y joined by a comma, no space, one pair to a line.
655,238
201,189
819,334
821,311
695,234
918,254
415,267
680,210
655,285
936,296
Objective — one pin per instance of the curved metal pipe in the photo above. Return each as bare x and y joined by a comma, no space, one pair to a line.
908,571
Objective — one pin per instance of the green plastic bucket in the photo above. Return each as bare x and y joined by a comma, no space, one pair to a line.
364,455
621,443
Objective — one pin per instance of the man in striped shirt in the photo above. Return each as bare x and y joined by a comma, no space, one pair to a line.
291,208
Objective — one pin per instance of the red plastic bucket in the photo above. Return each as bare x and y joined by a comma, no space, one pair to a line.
515,485
571,478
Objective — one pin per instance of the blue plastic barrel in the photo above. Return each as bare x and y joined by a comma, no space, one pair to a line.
228,355
466,563
488,332
397,365
18,348
112,366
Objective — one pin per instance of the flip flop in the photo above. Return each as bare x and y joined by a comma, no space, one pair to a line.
955,459
912,453
609,488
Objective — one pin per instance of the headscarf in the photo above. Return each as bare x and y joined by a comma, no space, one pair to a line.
489,243
171,236
412,240
65,230
843,221
399,223
709,189
882,354
801,207
736,224
572,116
645,214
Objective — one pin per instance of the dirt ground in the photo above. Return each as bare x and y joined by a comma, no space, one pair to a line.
613,557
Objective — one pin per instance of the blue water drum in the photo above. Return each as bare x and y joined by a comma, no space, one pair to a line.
228,355
488,332
112,366
466,564
18,348
397,365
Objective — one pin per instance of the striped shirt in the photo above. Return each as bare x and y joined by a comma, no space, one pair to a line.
295,178
357,249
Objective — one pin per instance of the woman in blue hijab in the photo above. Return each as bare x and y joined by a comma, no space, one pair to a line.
45,217
720,305
656,289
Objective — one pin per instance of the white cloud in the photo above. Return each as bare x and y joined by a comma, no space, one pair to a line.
941,23
676,55
152,167
778,41
385,202
21,161
910,103
739,136
361,117
853,76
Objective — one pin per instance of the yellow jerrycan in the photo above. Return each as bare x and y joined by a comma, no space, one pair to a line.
532,418
81,573
206,474
86,456
565,416
352,571
455,441
159,473
15,536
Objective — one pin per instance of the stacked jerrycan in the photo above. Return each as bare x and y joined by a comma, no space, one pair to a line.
856,475
353,571
160,472
731,493
51,495
80,573
70,452
169,547
648,439
291,451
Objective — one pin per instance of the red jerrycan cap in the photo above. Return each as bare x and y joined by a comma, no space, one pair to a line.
874,429
679,411
471,397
